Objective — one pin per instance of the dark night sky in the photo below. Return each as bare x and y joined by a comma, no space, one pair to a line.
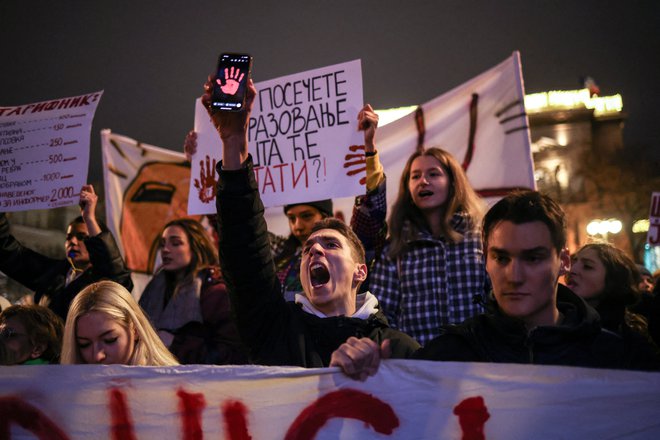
152,57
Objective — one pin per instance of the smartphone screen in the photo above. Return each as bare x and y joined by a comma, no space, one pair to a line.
230,88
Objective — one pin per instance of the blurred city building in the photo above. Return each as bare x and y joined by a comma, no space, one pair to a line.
580,160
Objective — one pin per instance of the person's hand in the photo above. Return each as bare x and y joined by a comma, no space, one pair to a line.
87,203
232,126
232,80
360,358
206,184
190,145
368,122
88,200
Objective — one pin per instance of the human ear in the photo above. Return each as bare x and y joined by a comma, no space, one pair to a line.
360,273
37,351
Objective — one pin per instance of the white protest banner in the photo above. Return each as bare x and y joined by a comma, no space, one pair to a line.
145,187
653,236
482,123
299,131
404,400
44,152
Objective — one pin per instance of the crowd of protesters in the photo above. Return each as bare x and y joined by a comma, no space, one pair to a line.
438,280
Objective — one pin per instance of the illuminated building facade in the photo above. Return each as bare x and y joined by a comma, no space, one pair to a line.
569,131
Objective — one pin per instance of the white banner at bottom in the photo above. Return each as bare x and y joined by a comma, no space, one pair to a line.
405,400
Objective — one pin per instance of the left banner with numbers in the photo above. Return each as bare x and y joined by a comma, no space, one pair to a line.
44,152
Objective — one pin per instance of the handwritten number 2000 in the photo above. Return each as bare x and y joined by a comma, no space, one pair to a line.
65,192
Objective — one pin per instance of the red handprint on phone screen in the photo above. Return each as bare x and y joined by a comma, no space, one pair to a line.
206,184
233,79
356,162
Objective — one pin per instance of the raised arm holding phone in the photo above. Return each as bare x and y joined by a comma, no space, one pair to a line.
329,311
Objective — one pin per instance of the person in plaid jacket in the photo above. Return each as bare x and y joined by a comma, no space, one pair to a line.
431,270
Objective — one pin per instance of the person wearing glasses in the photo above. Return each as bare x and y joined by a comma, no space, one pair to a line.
91,255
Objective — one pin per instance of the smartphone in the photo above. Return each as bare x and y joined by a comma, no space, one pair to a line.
230,88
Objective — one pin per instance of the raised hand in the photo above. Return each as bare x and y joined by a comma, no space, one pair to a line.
233,79
87,203
206,184
368,122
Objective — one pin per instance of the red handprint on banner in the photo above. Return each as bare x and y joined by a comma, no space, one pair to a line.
233,79
206,183
356,162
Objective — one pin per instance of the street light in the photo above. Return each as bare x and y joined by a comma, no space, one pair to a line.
604,227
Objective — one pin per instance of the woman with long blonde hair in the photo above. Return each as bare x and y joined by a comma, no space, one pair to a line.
106,326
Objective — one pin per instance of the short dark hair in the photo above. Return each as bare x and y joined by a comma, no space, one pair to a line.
80,220
42,325
356,245
525,206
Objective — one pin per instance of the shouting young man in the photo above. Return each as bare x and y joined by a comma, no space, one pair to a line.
329,311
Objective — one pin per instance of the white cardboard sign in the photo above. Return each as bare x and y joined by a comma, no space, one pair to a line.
44,152
300,131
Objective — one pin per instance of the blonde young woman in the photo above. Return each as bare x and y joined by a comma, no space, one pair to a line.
106,326
432,269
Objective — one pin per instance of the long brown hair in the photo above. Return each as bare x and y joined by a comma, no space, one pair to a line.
203,253
461,198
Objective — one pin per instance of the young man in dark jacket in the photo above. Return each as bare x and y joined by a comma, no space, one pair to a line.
277,332
531,318
91,255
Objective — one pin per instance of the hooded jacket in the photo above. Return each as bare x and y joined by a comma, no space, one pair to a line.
578,340
275,331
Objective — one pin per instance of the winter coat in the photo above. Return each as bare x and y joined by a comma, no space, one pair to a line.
578,340
433,282
199,317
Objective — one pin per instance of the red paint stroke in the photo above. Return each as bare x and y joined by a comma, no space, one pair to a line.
473,131
235,415
421,128
16,410
121,427
347,404
472,416
190,408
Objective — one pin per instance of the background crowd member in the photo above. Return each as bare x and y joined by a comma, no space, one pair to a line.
431,273
91,255
646,280
605,278
533,319
106,326
278,332
286,250
187,300
32,335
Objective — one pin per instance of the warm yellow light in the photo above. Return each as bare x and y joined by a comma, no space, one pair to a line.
570,99
593,227
604,227
641,226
